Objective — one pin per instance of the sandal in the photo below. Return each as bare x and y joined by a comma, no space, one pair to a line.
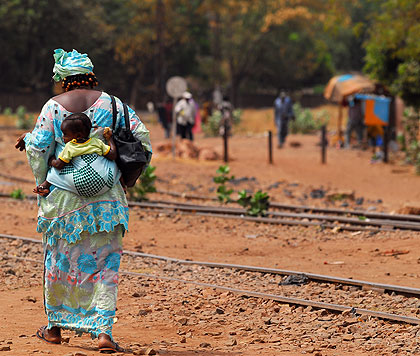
40,333
110,349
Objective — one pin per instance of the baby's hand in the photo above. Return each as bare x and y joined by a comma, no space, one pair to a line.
107,133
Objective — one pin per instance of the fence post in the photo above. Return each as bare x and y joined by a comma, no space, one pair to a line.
270,147
385,144
324,144
225,142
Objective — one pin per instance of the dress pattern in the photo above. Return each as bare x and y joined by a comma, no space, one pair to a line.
82,235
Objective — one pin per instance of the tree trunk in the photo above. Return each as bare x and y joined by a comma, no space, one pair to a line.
160,51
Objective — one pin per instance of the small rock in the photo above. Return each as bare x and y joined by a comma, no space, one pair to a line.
66,340
79,353
143,312
183,340
5,348
219,311
183,321
348,337
150,351
232,342
205,344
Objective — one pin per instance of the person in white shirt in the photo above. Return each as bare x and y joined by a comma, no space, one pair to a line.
185,112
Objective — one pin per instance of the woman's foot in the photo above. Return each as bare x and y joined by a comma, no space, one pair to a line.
107,346
52,336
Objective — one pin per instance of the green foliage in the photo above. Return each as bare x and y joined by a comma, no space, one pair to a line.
145,185
223,193
8,111
17,194
393,50
236,116
305,122
24,120
212,127
256,205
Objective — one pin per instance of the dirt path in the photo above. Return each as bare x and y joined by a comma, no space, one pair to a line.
298,172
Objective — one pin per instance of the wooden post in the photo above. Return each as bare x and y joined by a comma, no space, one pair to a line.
339,124
385,144
324,144
173,128
270,147
225,142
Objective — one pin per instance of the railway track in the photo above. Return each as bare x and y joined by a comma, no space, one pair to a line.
360,298
349,220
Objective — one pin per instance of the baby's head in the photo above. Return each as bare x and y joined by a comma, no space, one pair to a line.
76,126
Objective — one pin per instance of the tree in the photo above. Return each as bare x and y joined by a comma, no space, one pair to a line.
31,29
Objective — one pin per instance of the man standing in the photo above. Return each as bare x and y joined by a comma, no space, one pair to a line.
283,112
185,115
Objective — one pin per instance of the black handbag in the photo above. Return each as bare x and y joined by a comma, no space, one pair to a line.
131,156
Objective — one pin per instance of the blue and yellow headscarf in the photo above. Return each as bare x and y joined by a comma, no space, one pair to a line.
70,63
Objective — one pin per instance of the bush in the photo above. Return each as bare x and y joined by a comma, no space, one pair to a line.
145,185
17,194
8,111
24,121
305,122
255,205
212,127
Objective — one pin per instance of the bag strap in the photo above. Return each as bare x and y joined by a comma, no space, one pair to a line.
114,112
126,117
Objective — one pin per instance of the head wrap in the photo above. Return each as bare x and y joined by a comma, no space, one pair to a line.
70,63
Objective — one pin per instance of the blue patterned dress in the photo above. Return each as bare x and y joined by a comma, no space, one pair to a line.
82,235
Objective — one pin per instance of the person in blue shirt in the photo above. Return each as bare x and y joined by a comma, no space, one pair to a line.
283,112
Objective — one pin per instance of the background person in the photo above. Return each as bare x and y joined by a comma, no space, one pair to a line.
283,112
82,236
185,115
355,121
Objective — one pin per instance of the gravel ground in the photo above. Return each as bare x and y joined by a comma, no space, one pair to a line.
216,321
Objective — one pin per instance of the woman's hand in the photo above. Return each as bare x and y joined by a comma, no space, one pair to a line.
20,143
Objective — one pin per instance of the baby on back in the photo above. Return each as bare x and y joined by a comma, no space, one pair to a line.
76,130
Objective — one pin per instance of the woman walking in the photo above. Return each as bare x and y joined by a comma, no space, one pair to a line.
82,235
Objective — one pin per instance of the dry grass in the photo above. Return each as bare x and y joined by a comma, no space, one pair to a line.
262,120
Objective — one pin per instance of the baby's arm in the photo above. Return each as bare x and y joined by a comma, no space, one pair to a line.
112,153
56,162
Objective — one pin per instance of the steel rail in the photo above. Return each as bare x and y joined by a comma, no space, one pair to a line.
409,291
367,214
241,212
278,298
385,219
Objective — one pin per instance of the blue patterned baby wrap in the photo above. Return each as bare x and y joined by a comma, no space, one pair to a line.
86,175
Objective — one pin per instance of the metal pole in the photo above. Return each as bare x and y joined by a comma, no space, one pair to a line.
225,141
173,128
385,144
270,147
324,144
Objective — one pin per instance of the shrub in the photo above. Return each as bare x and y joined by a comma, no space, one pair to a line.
145,185
223,194
17,194
212,127
8,111
256,205
24,121
305,122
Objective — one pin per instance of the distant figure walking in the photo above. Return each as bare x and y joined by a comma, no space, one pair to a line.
185,115
283,112
355,121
